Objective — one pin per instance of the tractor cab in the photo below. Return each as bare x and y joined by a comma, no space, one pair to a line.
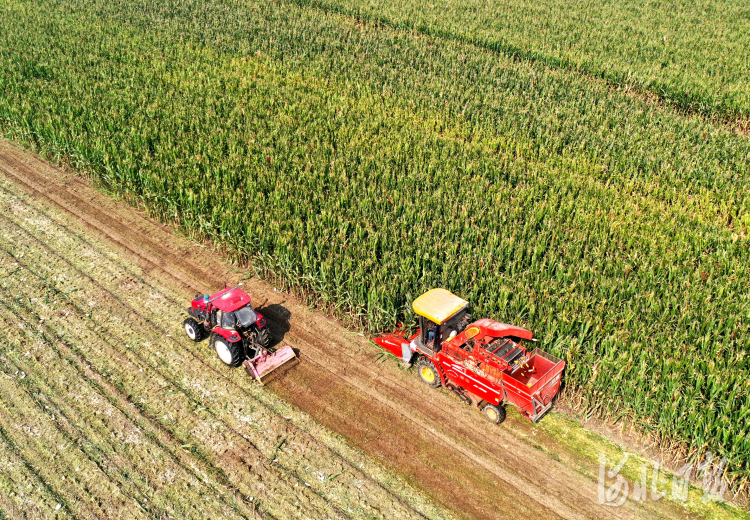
442,315
242,318
228,314
229,309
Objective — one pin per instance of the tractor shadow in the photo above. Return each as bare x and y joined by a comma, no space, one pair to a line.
279,318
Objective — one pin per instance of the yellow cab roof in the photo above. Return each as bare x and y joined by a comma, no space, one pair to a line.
438,305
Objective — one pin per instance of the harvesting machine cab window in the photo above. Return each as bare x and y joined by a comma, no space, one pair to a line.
441,316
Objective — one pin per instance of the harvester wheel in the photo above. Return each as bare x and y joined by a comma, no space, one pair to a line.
230,353
428,373
494,414
193,329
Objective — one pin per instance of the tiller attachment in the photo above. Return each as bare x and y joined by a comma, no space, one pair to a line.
267,365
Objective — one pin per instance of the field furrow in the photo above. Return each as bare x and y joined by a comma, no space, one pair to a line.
24,491
120,448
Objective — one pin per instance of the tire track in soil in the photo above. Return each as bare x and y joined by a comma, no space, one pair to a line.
520,474
129,310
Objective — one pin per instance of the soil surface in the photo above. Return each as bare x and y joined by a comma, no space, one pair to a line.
438,445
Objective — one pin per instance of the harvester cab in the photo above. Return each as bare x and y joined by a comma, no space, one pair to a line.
238,333
484,362
441,315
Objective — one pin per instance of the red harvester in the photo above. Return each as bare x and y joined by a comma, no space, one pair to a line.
238,333
483,362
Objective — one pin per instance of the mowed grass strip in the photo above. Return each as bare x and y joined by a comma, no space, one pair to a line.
68,458
362,165
26,493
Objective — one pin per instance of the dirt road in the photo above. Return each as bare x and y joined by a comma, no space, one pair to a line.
439,446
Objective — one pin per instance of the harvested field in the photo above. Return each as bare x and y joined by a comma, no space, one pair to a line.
107,410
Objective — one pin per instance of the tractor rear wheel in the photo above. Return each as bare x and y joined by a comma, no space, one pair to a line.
428,373
193,329
495,414
263,338
230,353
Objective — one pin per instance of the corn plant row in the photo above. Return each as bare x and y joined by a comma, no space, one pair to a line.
365,165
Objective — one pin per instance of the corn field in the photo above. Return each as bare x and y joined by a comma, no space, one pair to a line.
694,56
361,163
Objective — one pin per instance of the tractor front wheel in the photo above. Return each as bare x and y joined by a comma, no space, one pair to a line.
193,329
428,373
230,353
494,414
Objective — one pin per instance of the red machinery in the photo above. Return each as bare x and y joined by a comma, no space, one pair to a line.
238,333
483,362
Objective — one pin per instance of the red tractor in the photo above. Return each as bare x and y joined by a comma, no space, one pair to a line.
237,332
484,362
